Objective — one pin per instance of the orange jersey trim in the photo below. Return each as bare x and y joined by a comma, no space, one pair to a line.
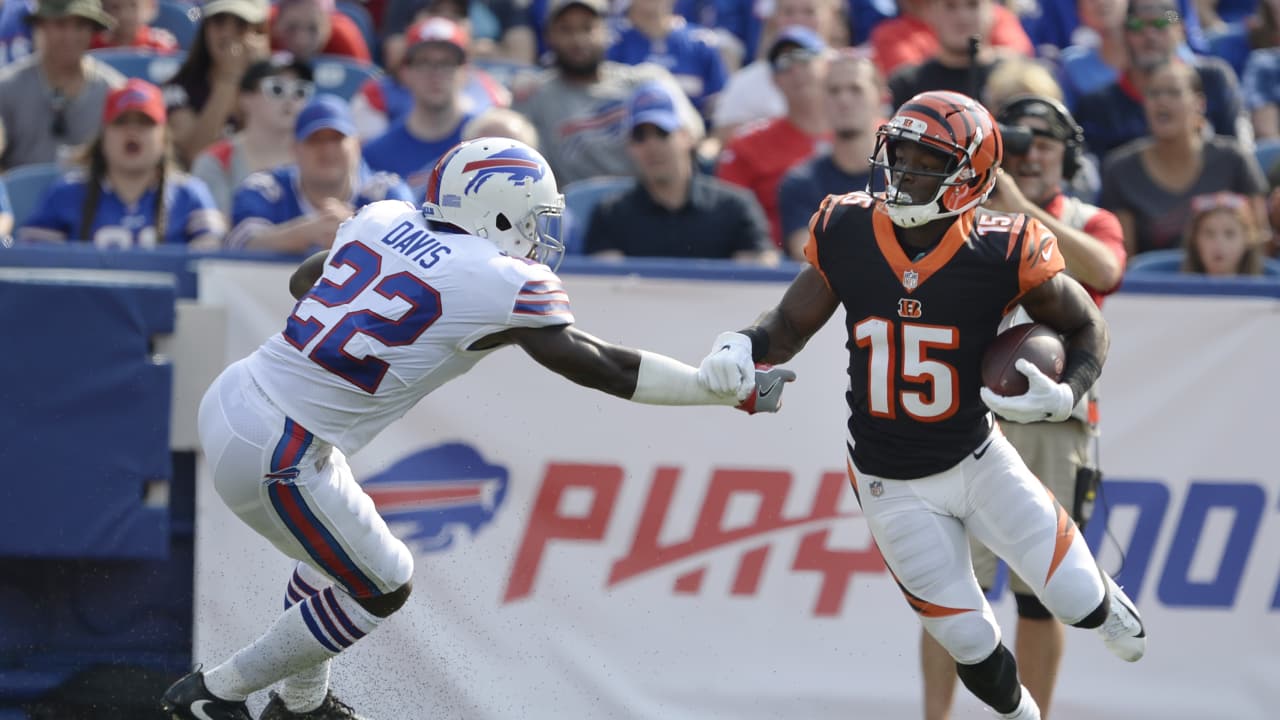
811,245
1062,543
933,261
1041,259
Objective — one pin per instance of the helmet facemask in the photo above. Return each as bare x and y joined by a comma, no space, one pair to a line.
905,210
534,236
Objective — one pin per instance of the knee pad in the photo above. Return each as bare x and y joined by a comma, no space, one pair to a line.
384,605
968,637
1030,607
994,680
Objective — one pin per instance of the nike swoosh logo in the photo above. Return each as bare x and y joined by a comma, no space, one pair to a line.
766,390
1047,253
977,454
197,709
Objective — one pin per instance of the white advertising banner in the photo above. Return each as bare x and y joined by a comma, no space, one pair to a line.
580,556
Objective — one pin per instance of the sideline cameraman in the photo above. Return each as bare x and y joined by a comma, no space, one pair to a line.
1043,148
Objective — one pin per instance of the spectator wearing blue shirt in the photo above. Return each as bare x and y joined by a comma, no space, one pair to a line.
297,208
1260,82
652,32
854,92
15,33
1113,115
1097,54
130,196
434,67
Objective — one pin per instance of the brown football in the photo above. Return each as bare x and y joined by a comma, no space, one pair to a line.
1032,341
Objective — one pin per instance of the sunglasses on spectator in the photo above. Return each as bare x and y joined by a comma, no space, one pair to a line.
1137,24
789,59
1218,201
283,87
641,133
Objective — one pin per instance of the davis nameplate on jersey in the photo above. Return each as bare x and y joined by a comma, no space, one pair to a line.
910,279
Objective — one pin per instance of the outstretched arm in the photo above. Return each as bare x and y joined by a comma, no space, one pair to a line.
636,375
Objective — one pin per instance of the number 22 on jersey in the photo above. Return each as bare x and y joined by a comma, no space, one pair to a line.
891,357
330,352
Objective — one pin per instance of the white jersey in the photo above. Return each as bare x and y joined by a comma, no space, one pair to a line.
392,319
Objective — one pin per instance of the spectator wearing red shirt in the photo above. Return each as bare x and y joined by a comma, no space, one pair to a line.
133,20
308,28
909,39
761,153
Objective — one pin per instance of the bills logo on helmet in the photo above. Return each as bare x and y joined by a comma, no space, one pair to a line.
431,495
518,165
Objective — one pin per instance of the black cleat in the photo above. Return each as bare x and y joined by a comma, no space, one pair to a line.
331,709
189,699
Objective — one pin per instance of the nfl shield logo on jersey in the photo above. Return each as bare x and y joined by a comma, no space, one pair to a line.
877,488
910,279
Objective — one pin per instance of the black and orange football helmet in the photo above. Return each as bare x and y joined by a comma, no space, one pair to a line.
956,126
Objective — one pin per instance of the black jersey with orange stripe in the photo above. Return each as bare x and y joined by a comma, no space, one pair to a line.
918,326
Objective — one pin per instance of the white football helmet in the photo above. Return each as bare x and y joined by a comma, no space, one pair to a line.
502,190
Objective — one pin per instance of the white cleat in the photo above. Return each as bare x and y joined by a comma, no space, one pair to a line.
1122,631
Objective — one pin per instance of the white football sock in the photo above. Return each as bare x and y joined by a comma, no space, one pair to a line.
305,635
305,691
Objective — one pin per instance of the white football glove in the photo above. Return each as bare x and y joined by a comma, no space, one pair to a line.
728,369
766,391
1044,400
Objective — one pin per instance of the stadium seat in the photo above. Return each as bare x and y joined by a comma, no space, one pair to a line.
149,66
580,198
180,18
26,185
342,76
1170,261
359,14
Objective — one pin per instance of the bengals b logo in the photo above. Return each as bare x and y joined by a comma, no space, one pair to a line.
909,308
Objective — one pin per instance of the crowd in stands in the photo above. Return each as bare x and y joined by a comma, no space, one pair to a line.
719,124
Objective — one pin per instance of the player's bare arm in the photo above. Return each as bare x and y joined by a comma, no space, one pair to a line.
305,277
636,375
1064,305
805,307
580,357
776,336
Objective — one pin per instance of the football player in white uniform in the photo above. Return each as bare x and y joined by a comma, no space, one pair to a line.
405,300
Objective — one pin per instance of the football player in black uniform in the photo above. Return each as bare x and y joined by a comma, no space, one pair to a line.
925,277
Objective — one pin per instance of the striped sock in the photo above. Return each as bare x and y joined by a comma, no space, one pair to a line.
307,634
305,691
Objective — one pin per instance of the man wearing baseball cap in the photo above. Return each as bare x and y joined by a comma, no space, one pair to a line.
578,105
297,208
674,211
51,102
760,155
434,71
